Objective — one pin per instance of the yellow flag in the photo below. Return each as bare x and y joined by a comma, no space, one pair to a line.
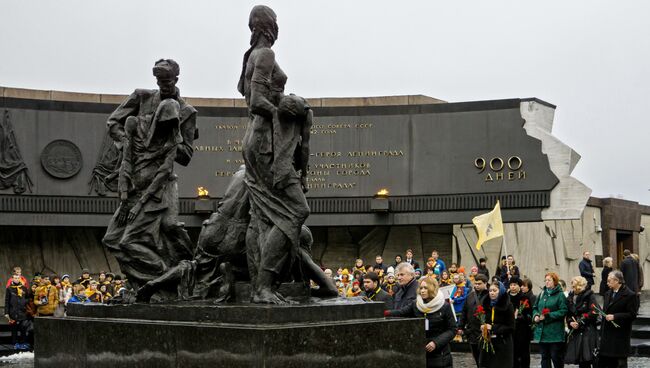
488,226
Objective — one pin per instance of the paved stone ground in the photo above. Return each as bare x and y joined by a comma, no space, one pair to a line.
460,360
466,360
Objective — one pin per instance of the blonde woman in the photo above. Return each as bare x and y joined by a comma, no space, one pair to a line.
581,320
608,264
440,326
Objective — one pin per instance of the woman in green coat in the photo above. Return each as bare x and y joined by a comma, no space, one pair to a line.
548,314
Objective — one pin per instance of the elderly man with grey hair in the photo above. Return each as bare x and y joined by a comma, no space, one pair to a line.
621,307
407,293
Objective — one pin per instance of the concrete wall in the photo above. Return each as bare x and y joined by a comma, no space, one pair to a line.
539,247
340,246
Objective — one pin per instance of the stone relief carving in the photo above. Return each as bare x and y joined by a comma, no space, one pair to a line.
13,171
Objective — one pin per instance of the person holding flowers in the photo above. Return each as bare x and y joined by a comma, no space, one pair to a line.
581,320
548,314
469,321
620,308
523,321
439,323
497,328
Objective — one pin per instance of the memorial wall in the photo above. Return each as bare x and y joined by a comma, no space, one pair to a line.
440,163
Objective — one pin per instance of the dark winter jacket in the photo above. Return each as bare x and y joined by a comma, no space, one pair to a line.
404,298
442,329
15,306
413,263
551,329
503,323
505,278
470,324
503,326
630,270
382,266
380,295
531,297
580,307
524,321
587,271
615,341
603,280
484,270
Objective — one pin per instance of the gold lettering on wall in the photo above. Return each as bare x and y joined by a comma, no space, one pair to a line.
328,169
501,168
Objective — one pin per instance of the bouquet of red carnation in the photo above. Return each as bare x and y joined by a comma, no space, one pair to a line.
486,341
600,312
545,313
523,305
580,320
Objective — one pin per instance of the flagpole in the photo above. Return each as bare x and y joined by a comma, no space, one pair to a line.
503,238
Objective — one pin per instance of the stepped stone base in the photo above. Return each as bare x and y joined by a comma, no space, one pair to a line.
333,333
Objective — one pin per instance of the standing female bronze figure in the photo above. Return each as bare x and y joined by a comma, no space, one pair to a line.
276,151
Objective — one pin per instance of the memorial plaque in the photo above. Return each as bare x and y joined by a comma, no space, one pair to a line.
61,159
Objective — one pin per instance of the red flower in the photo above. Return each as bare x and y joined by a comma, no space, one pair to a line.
546,311
479,311
585,315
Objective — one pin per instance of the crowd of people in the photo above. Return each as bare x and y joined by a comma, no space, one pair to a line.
48,295
497,316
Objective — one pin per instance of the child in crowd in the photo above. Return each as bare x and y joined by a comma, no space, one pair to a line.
106,296
92,293
46,297
16,299
444,279
358,266
17,271
85,277
355,290
79,294
453,269
390,286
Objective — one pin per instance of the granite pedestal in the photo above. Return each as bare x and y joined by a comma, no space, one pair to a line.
321,333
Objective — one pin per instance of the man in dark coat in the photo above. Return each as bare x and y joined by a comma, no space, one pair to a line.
409,259
630,270
408,290
373,291
470,325
621,307
379,263
587,269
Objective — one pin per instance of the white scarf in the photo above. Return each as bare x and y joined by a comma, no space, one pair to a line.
433,305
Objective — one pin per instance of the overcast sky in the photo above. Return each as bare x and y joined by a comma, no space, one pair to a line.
590,58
